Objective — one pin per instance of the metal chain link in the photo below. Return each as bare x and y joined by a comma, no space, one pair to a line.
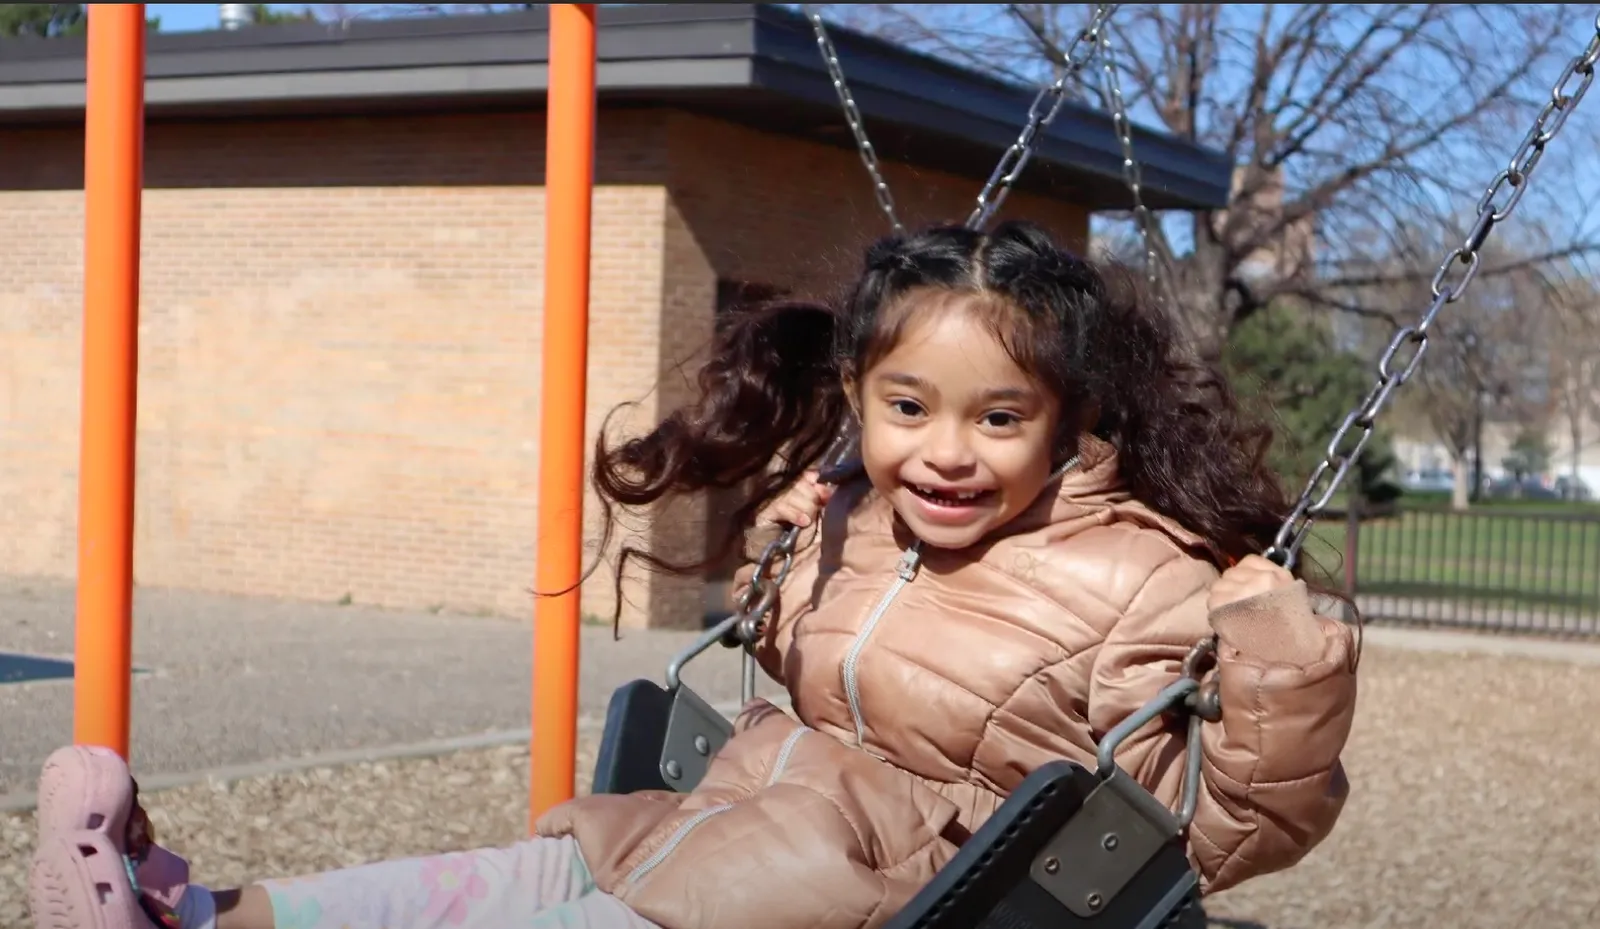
748,624
1394,368
1131,174
756,602
869,155
1012,161
1015,158
1122,125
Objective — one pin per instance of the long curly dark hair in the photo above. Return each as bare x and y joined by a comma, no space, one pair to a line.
772,396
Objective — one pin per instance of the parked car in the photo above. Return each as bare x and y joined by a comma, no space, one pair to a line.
1429,480
1529,488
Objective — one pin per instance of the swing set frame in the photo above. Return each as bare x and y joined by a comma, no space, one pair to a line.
113,186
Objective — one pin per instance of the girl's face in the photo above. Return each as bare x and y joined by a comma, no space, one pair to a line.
953,432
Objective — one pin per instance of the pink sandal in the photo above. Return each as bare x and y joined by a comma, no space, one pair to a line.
97,850
79,880
84,787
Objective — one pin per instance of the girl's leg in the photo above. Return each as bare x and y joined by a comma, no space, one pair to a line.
539,882
79,883
245,908
89,824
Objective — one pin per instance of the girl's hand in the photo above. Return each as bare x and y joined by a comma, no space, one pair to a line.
1252,576
800,505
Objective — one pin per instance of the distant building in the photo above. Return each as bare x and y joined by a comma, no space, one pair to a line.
342,283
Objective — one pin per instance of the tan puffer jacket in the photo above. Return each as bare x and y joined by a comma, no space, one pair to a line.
927,689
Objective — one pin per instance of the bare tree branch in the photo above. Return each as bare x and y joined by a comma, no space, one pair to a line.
1420,275
1348,124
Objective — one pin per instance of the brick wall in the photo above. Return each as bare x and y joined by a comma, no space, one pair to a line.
340,337
771,210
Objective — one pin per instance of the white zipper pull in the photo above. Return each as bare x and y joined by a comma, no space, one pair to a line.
909,562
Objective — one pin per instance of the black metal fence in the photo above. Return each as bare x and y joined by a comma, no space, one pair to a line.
1502,569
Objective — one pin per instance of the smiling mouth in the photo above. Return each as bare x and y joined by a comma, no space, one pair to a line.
951,498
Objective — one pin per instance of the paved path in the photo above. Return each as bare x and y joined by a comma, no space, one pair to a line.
243,683
238,681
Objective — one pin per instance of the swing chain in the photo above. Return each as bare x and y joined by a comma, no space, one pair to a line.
1394,367
1131,173
864,148
1013,160
761,595
758,599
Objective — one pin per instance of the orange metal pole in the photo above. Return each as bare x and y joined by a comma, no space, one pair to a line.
113,172
568,190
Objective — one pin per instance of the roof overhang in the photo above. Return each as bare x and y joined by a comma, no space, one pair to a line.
755,64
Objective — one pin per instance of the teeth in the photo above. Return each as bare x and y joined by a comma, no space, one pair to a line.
933,492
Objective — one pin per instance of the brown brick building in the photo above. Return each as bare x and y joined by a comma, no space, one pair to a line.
342,273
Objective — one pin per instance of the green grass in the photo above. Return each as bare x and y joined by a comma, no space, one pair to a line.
1522,553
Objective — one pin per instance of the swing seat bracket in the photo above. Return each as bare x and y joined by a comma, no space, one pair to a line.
657,738
1119,829
695,733
1042,861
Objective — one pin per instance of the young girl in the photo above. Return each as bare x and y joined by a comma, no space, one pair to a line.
1056,506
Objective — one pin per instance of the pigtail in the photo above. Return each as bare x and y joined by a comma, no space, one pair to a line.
1187,448
768,403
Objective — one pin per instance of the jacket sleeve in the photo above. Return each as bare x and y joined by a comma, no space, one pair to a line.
1273,785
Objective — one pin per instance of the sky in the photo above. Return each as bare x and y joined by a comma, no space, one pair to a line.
190,17
1418,85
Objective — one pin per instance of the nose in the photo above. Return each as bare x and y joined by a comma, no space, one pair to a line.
948,448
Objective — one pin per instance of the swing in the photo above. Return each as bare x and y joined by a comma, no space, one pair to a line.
1069,847
663,739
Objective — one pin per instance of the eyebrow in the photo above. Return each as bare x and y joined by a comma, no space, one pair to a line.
907,380
1014,394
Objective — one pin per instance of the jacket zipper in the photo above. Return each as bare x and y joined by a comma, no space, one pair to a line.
650,864
682,832
785,752
906,569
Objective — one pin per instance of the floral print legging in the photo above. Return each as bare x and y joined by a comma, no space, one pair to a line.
537,884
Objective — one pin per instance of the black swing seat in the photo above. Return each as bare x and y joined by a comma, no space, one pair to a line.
1066,850
657,739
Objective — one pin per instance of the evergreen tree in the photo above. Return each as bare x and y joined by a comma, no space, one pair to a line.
1285,364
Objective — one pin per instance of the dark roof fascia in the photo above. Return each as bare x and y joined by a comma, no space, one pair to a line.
714,56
